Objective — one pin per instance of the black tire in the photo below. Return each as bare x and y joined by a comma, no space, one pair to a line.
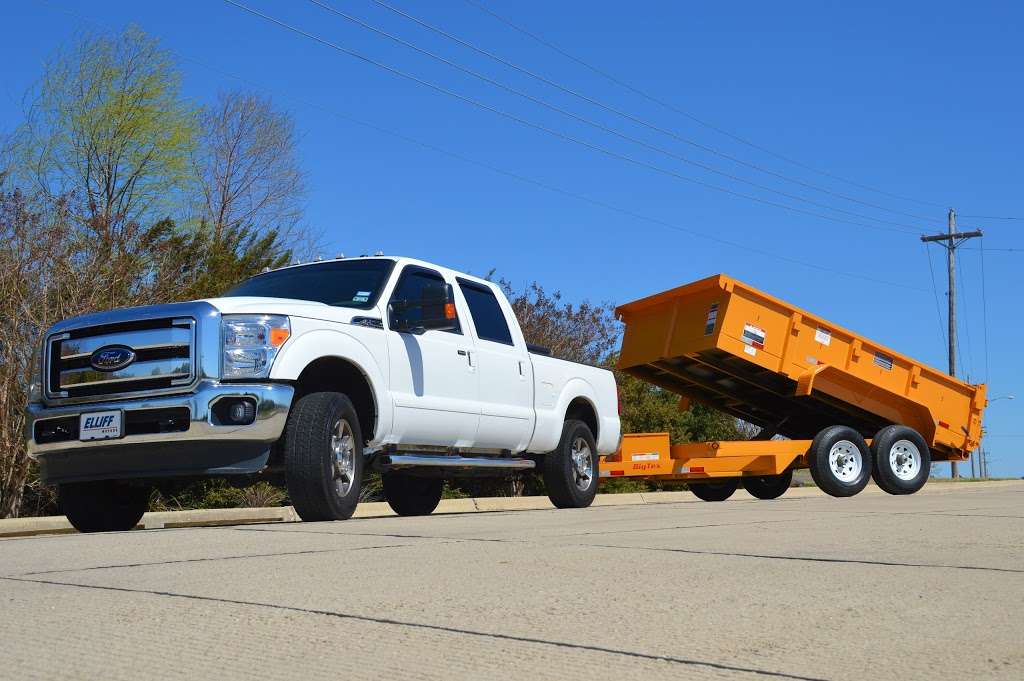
716,490
896,469
768,486
321,486
408,495
104,505
854,461
568,485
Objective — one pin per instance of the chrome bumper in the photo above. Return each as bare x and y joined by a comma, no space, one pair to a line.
272,404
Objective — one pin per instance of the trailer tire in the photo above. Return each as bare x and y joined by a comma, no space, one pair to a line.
408,495
768,486
103,505
570,471
839,461
324,457
717,490
902,460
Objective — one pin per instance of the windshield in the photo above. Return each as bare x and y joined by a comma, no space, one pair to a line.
344,283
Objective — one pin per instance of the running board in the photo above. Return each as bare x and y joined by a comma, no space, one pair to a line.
396,461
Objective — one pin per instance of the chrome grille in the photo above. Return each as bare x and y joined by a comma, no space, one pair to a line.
164,359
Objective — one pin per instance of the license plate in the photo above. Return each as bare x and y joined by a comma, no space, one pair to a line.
100,425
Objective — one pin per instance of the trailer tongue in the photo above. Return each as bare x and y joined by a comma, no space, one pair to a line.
818,389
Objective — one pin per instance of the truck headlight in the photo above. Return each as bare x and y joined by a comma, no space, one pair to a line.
250,344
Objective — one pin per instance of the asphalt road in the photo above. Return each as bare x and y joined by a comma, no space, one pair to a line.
928,586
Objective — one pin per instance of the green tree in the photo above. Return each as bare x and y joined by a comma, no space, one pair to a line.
108,127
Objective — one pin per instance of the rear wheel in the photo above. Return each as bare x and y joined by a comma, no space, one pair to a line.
103,505
324,457
408,495
839,461
902,460
570,472
768,486
718,490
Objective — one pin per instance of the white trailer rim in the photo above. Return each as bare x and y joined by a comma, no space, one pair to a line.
846,461
905,460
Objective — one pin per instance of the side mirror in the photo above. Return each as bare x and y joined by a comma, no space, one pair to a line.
433,311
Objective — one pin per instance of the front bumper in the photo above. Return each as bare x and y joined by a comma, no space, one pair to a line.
203,447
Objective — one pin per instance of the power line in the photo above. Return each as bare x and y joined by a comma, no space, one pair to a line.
518,177
660,102
582,119
935,291
992,217
966,321
635,119
984,305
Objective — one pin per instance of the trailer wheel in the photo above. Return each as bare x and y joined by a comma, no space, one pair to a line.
768,486
324,457
839,461
719,490
902,460
408,495
570,472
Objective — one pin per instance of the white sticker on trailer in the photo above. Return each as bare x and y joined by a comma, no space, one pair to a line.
750,350
823,336
646,457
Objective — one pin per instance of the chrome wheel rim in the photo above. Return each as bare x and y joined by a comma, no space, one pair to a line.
582,464
905,460
845,460
343,457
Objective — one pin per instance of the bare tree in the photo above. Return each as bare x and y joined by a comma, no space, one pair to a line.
247,167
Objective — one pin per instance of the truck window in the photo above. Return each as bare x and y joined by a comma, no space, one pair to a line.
418,283
488,318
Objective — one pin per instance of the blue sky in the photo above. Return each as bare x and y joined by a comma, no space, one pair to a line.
918,99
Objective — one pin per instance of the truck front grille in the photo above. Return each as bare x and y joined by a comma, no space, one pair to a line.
164,357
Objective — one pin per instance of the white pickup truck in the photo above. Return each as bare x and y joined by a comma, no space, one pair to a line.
320,371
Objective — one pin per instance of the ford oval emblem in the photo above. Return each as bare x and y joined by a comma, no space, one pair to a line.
112,358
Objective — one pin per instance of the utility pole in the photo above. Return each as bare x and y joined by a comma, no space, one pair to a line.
951,240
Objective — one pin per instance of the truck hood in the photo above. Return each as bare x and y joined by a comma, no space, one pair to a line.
288,306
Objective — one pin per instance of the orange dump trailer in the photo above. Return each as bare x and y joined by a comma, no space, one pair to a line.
824,397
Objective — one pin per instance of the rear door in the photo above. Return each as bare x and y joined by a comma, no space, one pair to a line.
505,371
434,381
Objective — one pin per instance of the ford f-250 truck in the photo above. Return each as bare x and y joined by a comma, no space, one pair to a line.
320,370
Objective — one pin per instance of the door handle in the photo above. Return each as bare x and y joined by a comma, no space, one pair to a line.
468,355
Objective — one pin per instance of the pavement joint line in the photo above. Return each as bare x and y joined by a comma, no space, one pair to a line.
214,559
674,527
813,559
810,559
434,627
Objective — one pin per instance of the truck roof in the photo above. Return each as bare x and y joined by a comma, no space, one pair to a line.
400,260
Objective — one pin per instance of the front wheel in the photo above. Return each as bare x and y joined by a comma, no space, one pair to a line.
839,461
570,472
324,457
104,505
408,495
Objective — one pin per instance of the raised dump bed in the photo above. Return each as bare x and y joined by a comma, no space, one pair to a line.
794,374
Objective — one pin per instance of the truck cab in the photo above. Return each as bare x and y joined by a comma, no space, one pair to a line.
323,371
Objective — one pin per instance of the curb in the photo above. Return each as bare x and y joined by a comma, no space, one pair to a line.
28,527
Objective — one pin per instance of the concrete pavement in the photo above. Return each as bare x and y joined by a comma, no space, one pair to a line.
806,587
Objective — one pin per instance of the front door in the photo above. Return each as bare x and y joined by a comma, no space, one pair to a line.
434,380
